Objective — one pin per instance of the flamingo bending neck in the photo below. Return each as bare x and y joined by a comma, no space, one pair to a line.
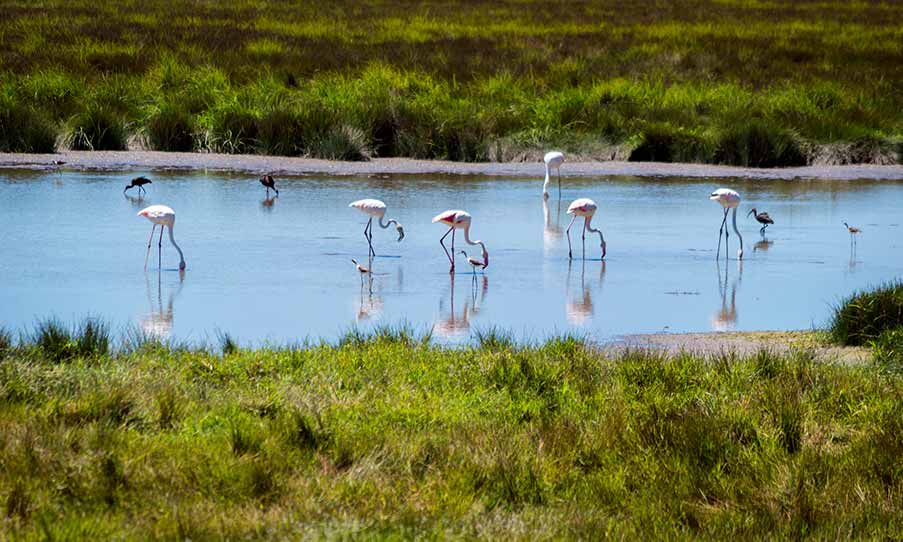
172,240
485,254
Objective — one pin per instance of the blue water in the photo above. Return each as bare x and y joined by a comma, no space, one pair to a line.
279,270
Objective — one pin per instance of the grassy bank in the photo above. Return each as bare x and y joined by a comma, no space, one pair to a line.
745,83
386,436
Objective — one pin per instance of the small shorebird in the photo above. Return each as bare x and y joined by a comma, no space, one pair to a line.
360,268
553,159
138,182
474,263
854,231
456,219
376,209
761,218
728,199
269,182
586,208
163,216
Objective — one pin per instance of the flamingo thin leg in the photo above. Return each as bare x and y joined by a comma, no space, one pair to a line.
149,241
583,235
568,233
160,249
720,233
452,270
445,249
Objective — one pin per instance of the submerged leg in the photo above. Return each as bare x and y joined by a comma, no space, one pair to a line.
149,241
720,233
452,270
160,249
583,236
568,233
441,242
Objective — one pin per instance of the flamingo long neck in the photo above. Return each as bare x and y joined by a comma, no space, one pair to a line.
388,223
589,228
477,242
734,220
173,241
545,184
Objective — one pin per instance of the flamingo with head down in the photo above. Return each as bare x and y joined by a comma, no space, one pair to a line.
586,208
553,159
456,219
163,216
375,209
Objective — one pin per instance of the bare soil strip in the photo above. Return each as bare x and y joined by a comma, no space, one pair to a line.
279,165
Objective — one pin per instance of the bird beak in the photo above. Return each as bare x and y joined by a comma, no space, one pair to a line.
400,231
603,250
750,212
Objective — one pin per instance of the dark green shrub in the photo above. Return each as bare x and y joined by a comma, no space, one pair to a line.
866,315
23,129
342,143
170,128
666,143
756,144
97,128
92,339
280,133
53,340
233,129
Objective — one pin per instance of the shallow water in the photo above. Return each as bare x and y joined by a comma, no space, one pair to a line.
279,270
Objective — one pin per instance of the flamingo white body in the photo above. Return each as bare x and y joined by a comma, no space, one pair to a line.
586,208
728,199
457,219
375,209
163,216
553,160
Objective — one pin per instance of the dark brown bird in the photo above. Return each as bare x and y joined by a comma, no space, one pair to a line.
269,182
761,218
138,182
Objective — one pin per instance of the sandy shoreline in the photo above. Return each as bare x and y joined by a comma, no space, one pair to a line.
279,165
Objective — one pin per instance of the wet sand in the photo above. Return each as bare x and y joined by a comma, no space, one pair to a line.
743,344
279,165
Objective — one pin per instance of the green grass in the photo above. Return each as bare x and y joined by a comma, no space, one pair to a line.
866,315
389,436
745,83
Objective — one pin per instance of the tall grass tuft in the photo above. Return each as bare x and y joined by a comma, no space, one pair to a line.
92,338
341,143
888,349
170,127
864,316
756,144
54,340
232,128
23,129
6,341
96,128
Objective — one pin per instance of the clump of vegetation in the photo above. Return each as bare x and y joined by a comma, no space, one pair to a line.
56,343
96,128
866,315
170,127
497,439
23,129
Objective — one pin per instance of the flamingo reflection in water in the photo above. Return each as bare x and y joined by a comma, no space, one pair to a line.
725,319
579,308
158,322
454,324
551,231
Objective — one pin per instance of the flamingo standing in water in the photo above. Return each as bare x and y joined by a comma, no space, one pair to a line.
163,216
456,219
553,159
586,208
269,182
376,209
729,199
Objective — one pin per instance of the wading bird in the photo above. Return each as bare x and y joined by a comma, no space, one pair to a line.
728,199
761,218
586,208
553,159
376,209
269,182
474,263
854,231
137,182
457,219
163,216
363,270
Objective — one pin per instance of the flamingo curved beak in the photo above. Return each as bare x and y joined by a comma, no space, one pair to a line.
400,231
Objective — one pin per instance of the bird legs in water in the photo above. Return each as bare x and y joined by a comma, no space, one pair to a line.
586,220
568,234
149,241
722,231
451,258
368,235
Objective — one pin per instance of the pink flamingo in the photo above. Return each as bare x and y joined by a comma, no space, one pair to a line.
553,159
457,219
163,216
586,208
376,209
728,199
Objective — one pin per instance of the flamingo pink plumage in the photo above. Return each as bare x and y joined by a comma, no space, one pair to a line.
553,159
586,208
376,209
163,216
728,199
456,219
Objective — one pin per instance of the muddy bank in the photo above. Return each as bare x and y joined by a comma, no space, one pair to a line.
743,344
278,165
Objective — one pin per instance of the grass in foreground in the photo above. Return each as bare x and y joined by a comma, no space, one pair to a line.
387,435
745,83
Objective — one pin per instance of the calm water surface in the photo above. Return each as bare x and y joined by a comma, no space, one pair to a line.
279,270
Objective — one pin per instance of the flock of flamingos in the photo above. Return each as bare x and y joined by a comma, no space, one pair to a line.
456,219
